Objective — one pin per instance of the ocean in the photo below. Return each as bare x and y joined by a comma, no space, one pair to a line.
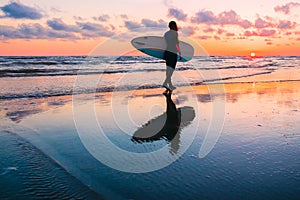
23,77
54,110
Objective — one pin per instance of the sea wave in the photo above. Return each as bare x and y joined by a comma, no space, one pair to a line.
36,77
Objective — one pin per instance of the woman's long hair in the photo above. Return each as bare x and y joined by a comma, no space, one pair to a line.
173,25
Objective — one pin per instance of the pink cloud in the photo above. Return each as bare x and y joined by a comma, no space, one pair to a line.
250,33
286,8
131,25
220,31
124,16
206,17
267,32
217,38
230,34
245,24
208,30
223,18
187,31
228,17
288,33
283,24
145,23
154,24
204,37
262,33
260,23
177,14
269,43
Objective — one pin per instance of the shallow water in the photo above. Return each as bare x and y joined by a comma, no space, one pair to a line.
255,157
27,173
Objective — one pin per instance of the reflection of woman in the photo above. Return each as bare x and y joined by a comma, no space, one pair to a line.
166,126
170,55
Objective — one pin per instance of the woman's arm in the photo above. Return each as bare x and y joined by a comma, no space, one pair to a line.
178,47
179,51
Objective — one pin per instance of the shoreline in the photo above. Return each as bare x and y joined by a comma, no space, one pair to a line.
18,106
145,87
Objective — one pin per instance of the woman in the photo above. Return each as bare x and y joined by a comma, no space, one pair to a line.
170,55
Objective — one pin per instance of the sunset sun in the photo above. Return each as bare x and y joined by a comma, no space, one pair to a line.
252,54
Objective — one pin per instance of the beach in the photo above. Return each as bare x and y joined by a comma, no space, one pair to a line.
238,138
149,100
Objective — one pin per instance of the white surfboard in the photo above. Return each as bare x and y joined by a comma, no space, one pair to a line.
155,46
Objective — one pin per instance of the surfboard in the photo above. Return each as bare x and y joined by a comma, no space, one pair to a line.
155,46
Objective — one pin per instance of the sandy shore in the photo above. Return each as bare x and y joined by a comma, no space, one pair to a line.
256,154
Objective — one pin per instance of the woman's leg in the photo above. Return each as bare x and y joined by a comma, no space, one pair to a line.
169,73
171,60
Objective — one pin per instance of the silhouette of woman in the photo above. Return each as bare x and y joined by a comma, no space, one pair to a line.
166,126
170,54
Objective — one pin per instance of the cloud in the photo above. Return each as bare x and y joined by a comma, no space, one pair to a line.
9,32
288,33
217,37
262,33
250,33
55,10
220,31
78,18
283,24
33,31
94,30
260,23
204,37
267,33
19,11
153,24
187,31
208,30
223,18
90,26
145,23
205,17
130,25
86,29
168,3
286,8
232,18
58,30
59,25
124,16
230,34
102,18
271,23
245,24
177,14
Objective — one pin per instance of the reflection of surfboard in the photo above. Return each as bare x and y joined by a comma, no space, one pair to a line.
155,46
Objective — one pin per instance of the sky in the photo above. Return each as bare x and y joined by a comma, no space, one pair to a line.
68,27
